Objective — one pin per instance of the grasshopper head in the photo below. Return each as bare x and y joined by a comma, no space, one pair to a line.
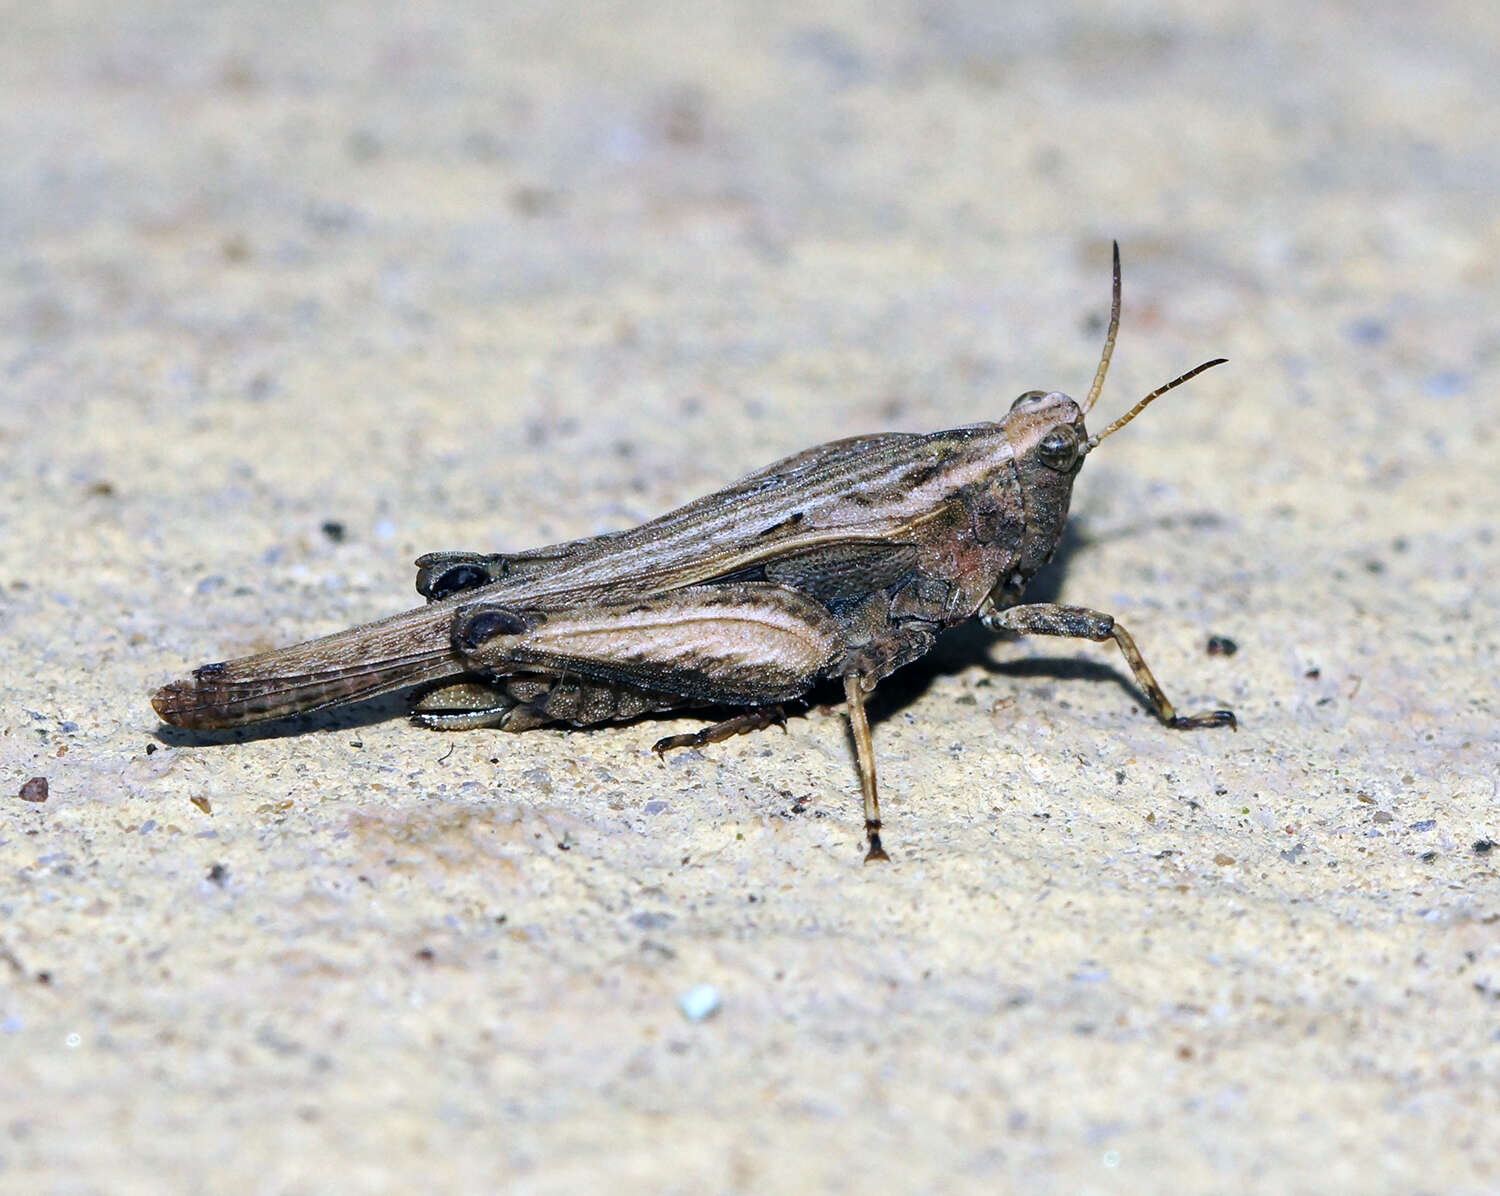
1049,442
1045,428
1046,433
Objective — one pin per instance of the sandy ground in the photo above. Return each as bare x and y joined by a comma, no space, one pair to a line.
289,296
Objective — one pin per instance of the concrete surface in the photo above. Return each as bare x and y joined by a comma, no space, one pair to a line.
484,278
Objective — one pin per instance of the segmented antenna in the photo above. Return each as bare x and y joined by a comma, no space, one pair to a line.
1109,338
1094,440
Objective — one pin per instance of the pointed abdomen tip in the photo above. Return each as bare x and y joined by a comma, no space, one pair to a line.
177,703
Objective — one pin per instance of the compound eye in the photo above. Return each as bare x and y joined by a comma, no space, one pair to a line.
1059,449
1029,397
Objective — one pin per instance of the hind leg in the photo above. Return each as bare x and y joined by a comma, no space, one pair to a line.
526,700
469,705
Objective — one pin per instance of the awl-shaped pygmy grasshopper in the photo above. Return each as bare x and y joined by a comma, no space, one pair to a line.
844,562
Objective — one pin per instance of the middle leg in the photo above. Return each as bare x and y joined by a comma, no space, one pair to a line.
864,750
757,718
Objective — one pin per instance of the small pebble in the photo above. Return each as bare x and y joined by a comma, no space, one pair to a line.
1222,645
34,790
699,1002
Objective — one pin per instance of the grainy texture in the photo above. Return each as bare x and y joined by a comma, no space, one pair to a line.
447,280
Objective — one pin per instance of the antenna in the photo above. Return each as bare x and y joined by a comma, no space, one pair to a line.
1109,338
1093,441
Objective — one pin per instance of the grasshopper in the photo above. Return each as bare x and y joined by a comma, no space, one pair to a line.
843,562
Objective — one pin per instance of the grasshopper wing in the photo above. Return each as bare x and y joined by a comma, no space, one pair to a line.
797,504
405,649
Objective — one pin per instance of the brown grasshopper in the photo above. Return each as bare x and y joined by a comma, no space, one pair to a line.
844,561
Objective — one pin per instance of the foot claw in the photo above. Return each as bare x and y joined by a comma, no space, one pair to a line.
662,746
1212,718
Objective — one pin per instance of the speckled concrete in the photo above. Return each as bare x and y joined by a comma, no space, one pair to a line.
454,280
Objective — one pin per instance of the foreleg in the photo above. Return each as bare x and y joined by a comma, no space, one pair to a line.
1079,622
